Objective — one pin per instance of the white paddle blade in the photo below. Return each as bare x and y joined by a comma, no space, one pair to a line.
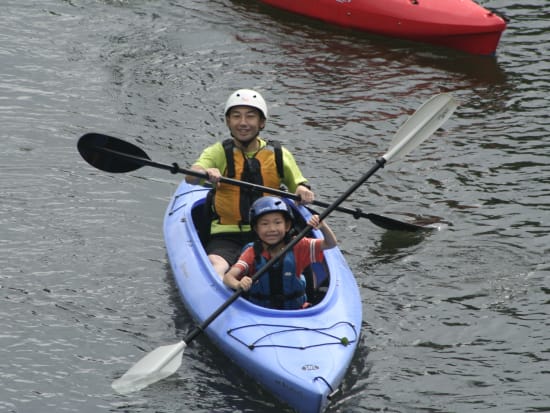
156,365
421,125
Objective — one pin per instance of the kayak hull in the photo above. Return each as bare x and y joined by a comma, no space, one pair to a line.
458,24
300,356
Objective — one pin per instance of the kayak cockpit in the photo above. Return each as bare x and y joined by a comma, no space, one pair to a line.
317,275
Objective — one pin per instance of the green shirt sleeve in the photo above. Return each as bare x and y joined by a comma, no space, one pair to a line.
293,176
212,157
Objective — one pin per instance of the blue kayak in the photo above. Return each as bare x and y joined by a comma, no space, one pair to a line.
300,356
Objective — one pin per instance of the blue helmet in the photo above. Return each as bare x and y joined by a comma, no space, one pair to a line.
266,205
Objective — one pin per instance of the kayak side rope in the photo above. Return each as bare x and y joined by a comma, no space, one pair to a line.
289,329
332,391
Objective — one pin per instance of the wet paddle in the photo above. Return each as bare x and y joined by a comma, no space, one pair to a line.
165,360
111,154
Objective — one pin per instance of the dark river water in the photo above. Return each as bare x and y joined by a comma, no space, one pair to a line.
455,320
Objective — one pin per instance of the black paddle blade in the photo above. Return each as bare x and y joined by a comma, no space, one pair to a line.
393,224
111,154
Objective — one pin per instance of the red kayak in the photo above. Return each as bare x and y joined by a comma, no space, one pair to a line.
458,24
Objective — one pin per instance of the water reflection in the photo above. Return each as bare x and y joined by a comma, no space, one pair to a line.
394,245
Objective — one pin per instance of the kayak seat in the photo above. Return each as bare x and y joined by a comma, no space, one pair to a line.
202,217
317,280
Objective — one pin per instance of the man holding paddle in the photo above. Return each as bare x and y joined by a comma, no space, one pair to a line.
248,158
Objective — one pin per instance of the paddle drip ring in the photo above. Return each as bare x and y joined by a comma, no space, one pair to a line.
175,168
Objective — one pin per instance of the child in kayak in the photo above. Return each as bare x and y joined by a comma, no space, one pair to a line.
283,286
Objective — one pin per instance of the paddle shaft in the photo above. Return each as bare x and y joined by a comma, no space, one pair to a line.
382,221
334,206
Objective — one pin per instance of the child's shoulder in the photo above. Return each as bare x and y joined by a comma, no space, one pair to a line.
306,242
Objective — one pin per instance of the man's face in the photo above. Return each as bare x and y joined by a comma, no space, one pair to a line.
244,122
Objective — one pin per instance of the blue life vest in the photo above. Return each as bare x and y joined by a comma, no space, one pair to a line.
279,287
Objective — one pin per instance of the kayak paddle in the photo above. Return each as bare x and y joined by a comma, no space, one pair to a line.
111,154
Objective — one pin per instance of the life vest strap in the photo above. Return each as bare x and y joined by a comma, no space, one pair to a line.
229,146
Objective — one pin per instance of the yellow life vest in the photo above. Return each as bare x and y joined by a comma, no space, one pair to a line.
232,202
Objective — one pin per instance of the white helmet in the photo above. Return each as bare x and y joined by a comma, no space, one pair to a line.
246,97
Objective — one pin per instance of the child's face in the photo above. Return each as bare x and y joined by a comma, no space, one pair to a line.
272,227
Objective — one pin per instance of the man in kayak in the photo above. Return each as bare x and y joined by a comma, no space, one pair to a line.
283,286
245,157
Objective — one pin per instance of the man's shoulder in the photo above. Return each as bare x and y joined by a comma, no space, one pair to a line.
215,146
212,157
213,149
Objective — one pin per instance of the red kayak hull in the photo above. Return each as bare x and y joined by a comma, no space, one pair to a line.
458,24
